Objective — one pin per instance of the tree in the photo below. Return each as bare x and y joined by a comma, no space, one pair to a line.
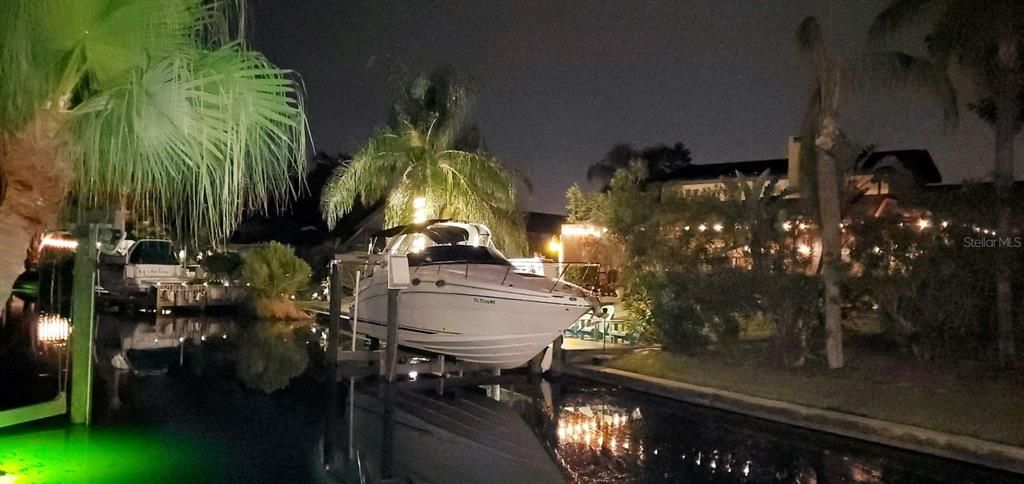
822,139
156,103
664,161
985,41
418,158
618,157
661,161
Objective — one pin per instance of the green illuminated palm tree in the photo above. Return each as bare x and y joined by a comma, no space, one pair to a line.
157,103
985,41
400,165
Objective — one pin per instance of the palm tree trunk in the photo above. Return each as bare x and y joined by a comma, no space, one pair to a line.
828,210
1005,126
35,178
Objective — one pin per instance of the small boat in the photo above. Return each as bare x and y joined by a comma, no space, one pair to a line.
138,267
465,299
151,273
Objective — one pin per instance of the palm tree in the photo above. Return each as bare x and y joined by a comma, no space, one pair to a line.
822,140
157,103
445,94
411,162
986,41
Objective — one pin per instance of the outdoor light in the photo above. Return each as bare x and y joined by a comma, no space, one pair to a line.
419,206
804,249
413,375
53,329
418,244
554,245
702,227
923,224
787,226
58,243
717,227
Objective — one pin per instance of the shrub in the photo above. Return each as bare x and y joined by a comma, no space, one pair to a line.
274,274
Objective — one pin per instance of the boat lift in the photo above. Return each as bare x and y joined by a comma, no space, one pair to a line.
355,362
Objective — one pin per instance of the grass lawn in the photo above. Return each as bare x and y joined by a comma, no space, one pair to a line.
958,400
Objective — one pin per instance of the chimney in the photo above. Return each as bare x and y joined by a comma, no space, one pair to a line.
793,153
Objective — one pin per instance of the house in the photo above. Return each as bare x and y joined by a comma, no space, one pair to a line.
879,181
880,177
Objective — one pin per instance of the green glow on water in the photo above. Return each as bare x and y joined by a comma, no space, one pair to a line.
80,454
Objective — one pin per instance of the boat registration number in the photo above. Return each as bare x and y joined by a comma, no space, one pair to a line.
483,301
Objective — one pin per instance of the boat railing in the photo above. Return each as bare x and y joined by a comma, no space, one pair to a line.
563,269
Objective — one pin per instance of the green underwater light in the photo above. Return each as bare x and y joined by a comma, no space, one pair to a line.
80,454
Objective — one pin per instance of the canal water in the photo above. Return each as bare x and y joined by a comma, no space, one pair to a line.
184,400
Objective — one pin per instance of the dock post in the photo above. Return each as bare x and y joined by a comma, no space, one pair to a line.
82,313
334,314
387,461
557,356
391,356
334,334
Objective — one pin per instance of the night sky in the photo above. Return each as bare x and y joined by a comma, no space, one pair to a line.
559,82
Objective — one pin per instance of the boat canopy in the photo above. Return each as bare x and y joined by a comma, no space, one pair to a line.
149,251
457,254
407,228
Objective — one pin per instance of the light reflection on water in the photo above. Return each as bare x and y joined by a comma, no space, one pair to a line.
182,378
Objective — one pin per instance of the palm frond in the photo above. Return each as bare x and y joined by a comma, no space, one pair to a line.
51,47
898,16
895,68
369,177
196,138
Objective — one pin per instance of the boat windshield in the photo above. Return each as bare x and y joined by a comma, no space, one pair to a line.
452,254
159,252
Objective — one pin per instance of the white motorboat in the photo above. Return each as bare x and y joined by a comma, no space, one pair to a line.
465,300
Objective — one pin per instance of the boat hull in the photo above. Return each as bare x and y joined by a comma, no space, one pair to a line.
480,320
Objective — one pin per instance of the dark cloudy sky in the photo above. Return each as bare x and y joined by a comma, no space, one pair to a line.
560,81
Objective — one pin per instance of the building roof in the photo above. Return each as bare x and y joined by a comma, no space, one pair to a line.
918,162
544,223
714,171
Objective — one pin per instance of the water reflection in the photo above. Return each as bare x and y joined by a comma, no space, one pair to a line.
463,437
185,376
527,431
150,346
